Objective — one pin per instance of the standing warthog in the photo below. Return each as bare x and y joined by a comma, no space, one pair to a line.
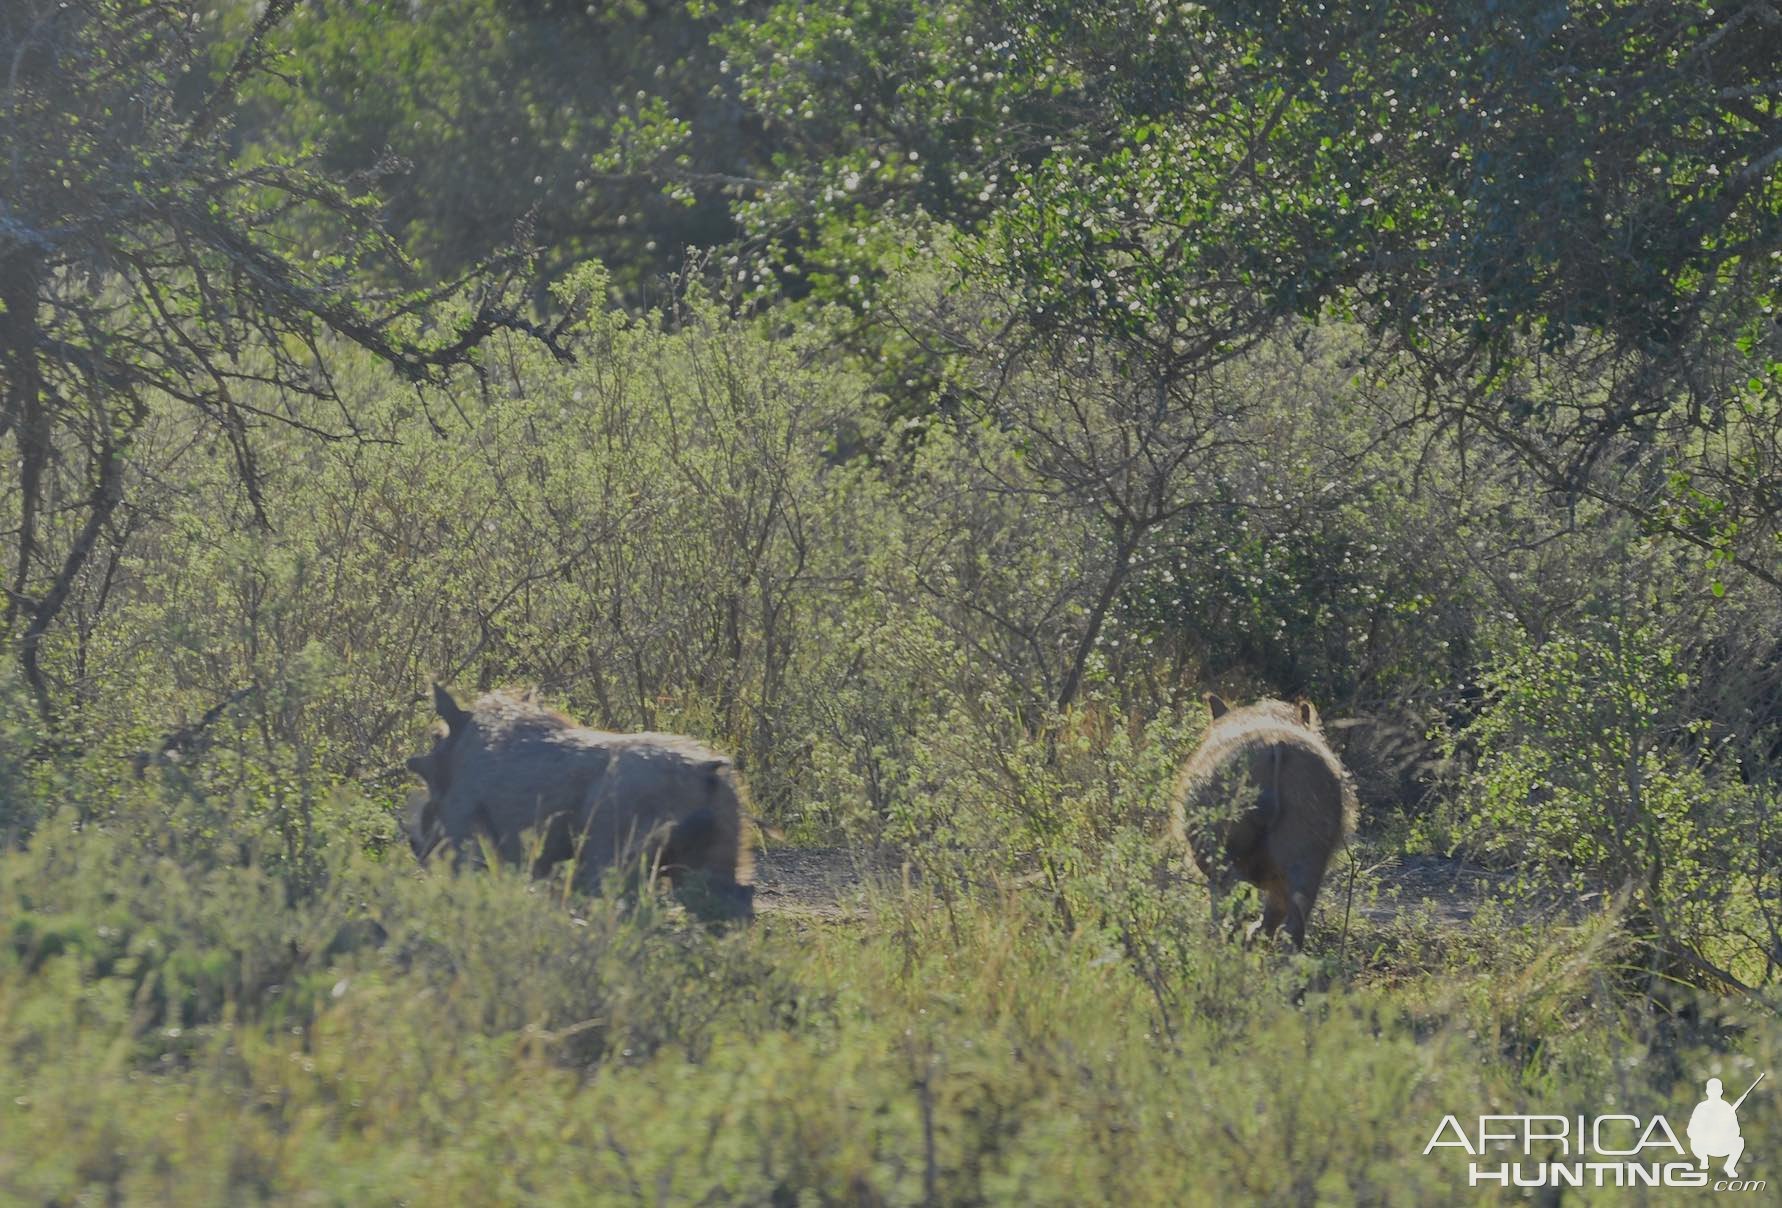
1264,798
508,767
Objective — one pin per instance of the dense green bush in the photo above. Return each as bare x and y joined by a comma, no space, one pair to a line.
948,638
1594,774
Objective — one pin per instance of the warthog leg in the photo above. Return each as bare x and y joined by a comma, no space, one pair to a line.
1277,908
1303,877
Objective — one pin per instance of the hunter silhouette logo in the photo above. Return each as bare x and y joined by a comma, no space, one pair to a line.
1714,1127
1612,1150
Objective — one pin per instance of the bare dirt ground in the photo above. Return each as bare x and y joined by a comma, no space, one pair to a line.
818,882
825,883
1448,891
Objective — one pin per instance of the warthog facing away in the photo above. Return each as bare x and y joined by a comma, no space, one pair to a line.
507,767
1264,798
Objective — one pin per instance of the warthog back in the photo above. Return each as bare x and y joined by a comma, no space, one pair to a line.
1264,799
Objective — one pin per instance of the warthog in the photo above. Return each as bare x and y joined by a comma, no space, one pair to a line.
1264,798
508,767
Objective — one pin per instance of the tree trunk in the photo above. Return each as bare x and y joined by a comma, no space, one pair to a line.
22,411
107,494
1125,544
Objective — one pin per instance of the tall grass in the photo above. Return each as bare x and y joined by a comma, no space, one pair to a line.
177,1027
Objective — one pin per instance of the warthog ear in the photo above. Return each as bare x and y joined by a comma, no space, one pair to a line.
1215,706
1308,714
449,710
